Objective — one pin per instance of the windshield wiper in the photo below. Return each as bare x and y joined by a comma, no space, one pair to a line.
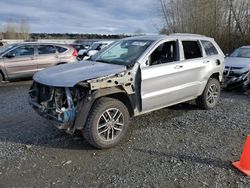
103,61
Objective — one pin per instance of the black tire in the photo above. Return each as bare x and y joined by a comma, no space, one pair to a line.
102,117
1,78
210,95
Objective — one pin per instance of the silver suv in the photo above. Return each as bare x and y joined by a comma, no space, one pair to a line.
133,76
25,59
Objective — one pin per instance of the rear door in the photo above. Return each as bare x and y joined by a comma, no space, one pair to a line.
20,62
194,67
46,56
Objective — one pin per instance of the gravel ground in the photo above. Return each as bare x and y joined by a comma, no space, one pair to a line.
181,146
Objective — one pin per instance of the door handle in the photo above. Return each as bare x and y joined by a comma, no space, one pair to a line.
207,61
178,66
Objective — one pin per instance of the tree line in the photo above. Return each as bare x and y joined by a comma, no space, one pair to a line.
228,21
21,30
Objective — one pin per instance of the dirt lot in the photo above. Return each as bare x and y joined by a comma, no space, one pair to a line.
181,146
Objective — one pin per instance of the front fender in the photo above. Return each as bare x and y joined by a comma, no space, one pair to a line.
87,102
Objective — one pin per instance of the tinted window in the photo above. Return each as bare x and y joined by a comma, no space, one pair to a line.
61,49
191,49
23,51
209,48
165,53
46,49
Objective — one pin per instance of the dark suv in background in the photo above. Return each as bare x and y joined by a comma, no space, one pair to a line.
25,59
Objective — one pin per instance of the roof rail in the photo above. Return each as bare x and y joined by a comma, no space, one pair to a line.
187,34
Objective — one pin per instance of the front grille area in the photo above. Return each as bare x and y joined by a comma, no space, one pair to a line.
43,92
236,68
54,103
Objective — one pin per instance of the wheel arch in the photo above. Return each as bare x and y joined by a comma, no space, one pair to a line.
2,73
216,75
61,63
87,103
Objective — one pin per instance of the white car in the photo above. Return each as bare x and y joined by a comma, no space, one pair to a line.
237,69
93,49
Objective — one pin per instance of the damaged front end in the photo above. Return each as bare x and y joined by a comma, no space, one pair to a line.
55,103
69,106
236,79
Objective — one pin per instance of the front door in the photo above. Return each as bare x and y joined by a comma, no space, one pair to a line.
20,62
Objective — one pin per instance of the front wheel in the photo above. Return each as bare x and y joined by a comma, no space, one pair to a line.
210,95
107,123
1,78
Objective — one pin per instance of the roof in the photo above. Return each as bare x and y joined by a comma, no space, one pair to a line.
171,36
39,43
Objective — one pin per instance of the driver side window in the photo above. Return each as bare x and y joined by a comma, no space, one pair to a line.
23,51
165,53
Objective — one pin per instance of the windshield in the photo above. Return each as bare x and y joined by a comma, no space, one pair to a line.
4,48
241,52
123,52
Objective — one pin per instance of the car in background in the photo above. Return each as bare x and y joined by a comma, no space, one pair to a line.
93,49
3,43
79,47
25,59
237,69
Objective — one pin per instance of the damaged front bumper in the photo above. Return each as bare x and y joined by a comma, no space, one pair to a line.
236,81
53,104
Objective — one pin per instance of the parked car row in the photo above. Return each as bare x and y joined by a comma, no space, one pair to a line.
25,59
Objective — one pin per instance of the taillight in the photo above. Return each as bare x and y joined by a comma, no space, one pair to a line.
74,53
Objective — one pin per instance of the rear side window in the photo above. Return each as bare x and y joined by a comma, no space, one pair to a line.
23,51
209,48
191,49
46,49
61,49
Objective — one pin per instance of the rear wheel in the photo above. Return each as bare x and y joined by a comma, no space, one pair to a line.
107,123
210,95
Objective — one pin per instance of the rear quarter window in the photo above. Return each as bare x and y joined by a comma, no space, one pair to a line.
209,48
61,49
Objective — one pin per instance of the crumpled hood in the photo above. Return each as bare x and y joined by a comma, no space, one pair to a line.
237,62
70,74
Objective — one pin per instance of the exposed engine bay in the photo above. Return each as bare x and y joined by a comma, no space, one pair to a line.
63,104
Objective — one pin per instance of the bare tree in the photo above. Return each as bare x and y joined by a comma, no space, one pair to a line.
24,30
13,30
10,30
228,21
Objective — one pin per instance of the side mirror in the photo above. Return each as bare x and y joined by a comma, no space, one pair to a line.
10,55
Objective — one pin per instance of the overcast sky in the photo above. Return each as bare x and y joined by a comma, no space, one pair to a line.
83,16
